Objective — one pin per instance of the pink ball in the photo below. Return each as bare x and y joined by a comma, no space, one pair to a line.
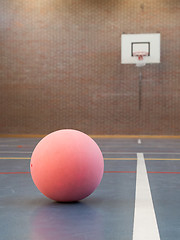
67,165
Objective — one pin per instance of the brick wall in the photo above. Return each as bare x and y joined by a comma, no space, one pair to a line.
60,67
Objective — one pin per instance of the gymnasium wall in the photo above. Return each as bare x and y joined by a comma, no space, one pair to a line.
60,67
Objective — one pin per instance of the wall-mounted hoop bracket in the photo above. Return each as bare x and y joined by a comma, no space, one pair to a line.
140,56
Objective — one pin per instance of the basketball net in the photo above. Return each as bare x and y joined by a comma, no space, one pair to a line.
140,56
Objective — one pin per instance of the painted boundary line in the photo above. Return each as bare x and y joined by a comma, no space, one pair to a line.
145,224
15,152
147,172
17,158
104,172
22,135
105,153
147,153
94,136
148,159
107,159
14,173
137,136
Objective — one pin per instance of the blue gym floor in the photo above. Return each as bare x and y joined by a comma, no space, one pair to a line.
107,214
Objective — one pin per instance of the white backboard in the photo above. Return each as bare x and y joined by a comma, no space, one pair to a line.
149,43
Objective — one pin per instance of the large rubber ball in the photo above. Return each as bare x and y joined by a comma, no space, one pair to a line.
67,165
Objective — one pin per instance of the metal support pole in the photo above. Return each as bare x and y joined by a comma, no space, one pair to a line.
140,89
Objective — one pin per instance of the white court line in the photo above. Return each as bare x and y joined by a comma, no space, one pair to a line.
145,224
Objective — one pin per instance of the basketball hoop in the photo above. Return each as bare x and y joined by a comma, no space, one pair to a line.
140,56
